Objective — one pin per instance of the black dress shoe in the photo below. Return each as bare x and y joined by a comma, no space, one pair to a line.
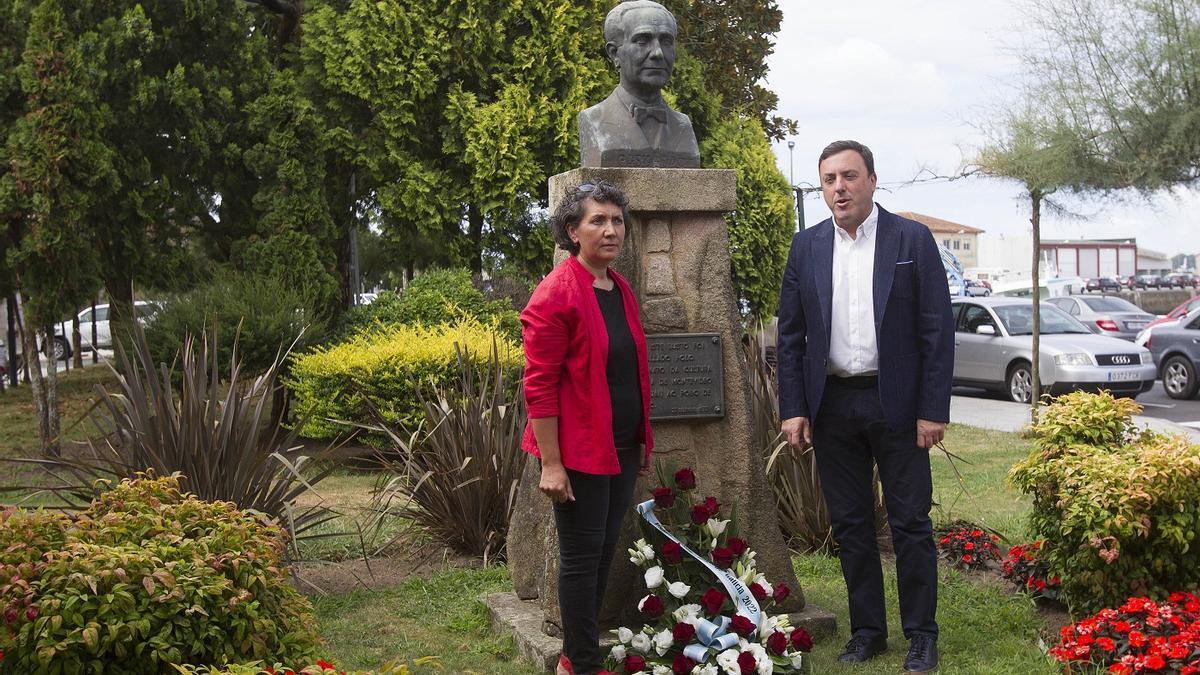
922,655
863,648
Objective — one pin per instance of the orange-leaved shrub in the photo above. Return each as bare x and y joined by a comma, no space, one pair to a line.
1116,507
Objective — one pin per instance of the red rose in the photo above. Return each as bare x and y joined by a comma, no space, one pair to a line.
672,553
777,643
699,514
712,505
759,592
722,557
685,479
742,625
801,640
634,663
781,592
683,632
712,601
682,665
737,545
652,607
664,497
747,663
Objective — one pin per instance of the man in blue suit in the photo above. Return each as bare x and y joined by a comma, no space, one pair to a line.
866,355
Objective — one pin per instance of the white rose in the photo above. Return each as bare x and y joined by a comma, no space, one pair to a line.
706,669
624,635
662,670
618,653
728,662
679,589
641,643
654,577
663,642
687,614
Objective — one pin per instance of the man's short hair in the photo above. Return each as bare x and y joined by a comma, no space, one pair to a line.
842,146
569,212
614,23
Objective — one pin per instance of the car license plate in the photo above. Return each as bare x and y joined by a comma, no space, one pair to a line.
1123,375
1136,324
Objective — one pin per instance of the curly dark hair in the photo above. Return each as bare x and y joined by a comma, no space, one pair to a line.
569,212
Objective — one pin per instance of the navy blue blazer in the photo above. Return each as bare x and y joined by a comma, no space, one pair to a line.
913,323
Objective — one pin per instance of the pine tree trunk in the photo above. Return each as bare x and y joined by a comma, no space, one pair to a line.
33,364
1035,375
76,353
475,223
53,423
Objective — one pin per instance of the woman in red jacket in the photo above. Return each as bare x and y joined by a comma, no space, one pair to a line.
587,386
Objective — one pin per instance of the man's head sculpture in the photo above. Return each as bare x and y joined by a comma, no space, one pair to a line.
634,126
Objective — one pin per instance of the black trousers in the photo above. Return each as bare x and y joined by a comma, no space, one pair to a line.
588,529
849,435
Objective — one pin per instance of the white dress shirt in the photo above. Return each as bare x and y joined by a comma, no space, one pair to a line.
853,348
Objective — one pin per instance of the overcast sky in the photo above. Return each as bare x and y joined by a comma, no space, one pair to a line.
914,81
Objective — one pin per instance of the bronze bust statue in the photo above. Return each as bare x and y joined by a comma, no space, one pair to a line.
634,126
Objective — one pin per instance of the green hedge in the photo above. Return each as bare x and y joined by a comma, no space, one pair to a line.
145,578
1117,508
434,298
342,382
264,312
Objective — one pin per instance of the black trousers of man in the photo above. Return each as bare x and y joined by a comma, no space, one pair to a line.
849,435
588,529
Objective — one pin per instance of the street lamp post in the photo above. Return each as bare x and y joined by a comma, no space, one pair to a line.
792,183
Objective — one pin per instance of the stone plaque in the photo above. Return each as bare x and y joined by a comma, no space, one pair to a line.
686,376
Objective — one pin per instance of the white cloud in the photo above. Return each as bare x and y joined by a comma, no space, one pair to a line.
913,79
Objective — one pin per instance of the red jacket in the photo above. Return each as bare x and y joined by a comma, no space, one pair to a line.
566,351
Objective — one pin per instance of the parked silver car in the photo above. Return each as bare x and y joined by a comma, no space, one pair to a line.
994,350
1106,315
1176,349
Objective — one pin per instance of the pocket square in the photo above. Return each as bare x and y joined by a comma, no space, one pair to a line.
904,262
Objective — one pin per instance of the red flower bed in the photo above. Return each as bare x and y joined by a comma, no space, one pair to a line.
1140,636
967,547
1026,570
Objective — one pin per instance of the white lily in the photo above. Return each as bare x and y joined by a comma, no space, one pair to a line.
715,528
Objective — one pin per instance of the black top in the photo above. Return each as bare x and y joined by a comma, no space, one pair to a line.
624,389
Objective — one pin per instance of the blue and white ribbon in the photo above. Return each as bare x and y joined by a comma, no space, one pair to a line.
743,599
711,636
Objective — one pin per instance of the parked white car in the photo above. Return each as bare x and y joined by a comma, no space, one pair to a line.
144,309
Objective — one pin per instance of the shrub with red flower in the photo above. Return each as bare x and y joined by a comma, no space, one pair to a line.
692,625
1029,572
967,547
1140,636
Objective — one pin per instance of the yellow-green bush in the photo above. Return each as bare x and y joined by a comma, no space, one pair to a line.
343,381
1117,508
145,578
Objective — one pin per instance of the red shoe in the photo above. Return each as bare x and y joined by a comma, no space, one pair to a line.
564,666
